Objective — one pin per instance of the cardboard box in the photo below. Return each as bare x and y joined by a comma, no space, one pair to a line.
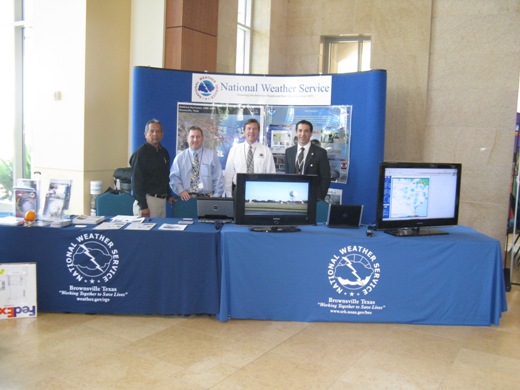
17,290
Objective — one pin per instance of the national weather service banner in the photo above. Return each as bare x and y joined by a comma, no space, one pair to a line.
274,90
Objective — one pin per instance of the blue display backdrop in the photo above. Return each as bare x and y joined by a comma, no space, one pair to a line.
156,93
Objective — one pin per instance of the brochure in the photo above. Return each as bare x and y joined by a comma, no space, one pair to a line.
59,223
10,220
110,225
57,198
25,199
127,218
334,196
39,223
35,185
88,219
172,226
140,226
28,183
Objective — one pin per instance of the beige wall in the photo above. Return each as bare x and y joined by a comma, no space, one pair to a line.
260,54
400,32
107,75
147,33
59,93
81,120
472,100
269,20
277,41
227,35
453,69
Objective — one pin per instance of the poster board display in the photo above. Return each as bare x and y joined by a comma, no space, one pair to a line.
157,93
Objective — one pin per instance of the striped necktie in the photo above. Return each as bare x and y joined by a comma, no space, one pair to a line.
249,161
299,167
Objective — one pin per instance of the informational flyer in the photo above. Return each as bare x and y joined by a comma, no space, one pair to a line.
334,196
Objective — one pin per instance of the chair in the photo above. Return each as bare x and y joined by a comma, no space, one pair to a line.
322,211
184,209
113,203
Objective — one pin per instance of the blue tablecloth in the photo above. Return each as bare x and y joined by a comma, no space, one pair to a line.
324,274
82,270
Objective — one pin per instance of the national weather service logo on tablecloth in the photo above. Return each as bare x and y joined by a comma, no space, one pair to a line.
206,88
354,271
92,258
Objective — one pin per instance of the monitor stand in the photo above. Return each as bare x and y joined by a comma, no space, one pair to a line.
415,231
274,229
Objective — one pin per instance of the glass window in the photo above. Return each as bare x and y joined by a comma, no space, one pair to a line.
14,47
345,54
243,36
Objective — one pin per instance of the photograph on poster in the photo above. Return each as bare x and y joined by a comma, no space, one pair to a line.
331,131
222,125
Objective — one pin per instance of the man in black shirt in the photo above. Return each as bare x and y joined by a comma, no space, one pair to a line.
150,174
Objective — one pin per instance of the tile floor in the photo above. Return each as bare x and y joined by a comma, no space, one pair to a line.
77,351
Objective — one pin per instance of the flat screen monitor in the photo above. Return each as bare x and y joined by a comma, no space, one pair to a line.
275,202
413,197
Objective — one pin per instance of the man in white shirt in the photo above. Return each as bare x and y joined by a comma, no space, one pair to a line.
248,157
196,171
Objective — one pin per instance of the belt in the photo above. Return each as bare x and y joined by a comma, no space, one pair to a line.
162,196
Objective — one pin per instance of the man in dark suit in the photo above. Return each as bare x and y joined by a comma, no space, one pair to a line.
306,158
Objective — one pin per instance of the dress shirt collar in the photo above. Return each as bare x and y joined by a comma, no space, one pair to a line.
193,151
254,145
306,147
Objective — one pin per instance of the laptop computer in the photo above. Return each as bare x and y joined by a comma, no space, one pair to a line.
344,216
211,210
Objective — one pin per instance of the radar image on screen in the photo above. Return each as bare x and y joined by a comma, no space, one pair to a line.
409,197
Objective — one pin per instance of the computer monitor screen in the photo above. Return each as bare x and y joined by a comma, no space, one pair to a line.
276,201
412,197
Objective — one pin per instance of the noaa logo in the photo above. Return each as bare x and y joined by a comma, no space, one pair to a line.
92,258
354,271
206,88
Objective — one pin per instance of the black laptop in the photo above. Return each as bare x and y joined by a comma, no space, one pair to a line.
344,216
213,210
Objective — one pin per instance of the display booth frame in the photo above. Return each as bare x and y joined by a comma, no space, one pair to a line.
156,93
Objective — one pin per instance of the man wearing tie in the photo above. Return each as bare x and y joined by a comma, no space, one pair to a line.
196,171
305,158
247,157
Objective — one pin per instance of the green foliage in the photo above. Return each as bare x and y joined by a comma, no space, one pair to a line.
27,166
6,179
7,176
